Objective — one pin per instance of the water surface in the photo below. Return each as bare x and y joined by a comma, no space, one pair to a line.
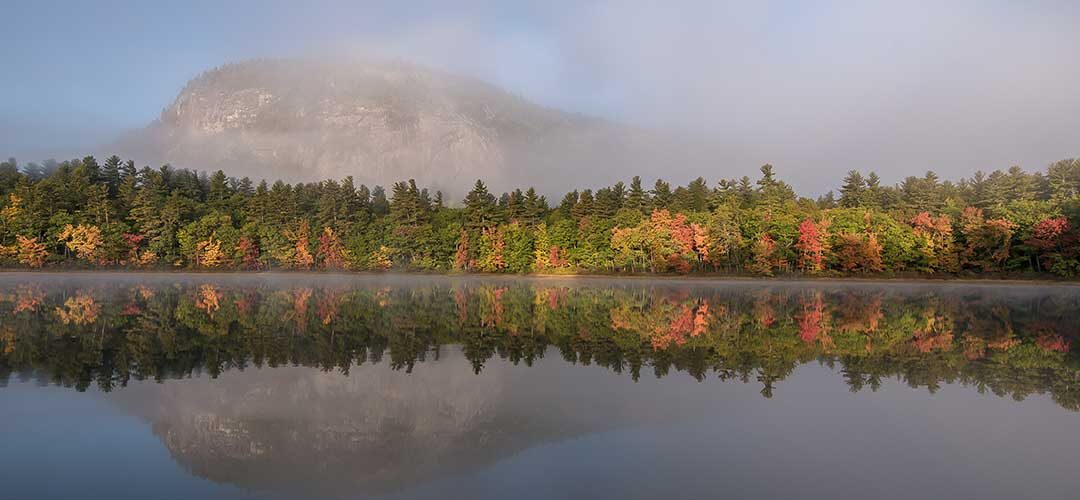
312,386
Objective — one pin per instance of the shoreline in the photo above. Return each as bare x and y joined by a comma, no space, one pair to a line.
693,278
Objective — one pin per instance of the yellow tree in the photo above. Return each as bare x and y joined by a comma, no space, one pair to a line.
83,239
30,252
12,210
301,237
208,253
380,259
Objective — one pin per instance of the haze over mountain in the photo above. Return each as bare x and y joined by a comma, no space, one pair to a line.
381,122
814,89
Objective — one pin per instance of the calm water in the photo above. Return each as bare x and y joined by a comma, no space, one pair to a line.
290,386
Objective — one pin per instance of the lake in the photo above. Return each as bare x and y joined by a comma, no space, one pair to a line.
139,386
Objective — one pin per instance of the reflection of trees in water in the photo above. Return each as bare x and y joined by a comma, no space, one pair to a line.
1012,342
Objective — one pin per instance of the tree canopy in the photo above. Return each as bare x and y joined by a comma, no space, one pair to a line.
111,214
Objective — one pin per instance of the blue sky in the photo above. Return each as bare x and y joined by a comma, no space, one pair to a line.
813,87
92,68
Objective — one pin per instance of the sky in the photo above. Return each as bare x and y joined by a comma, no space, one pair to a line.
815,88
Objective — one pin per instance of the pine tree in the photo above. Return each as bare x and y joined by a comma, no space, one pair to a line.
218,191
244,187
636,197
407,207
1021,185
480,209
661,195
379,205
568,202
110,173
515,205
128,170
747,194
584,206
772,191
93,170
535,206
693,198
618,194
327,205
875,194
257,207
606,204
853,192
363,199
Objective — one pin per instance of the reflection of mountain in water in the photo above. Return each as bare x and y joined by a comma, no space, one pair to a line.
374,430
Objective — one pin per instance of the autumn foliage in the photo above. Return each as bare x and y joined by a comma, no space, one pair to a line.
332,253
1007,222
301,246
249,253
30,252
812,244
661,243
84,240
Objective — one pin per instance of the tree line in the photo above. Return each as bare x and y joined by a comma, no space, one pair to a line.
112,214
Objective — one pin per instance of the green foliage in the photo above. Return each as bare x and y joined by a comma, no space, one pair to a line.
162,216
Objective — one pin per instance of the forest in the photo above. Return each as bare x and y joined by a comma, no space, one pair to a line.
84,213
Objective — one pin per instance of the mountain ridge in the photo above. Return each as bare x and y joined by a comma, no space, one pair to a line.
380,122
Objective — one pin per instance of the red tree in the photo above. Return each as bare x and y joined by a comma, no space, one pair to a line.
812,245
249,252
331,251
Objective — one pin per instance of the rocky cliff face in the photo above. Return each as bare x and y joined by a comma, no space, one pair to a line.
379,122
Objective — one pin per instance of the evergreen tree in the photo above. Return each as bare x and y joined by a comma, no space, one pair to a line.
661,194
535,206
693,198
379,205
584,206
128,170
9,176
515,205
218,190
606,204
110,173
853,192
481,211
747,194
568,203
93,170
1021,185
407,206
636,197
618,194
772,191
875,194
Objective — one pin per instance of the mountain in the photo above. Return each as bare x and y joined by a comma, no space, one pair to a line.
310,119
